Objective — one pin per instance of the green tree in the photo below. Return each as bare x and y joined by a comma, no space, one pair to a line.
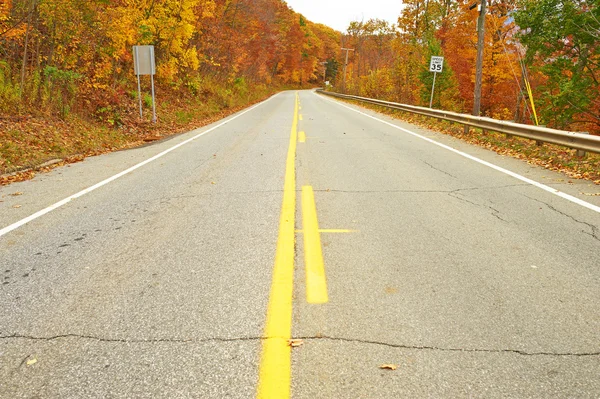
446,94
562,41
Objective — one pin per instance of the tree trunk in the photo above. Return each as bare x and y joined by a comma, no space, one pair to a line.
24,64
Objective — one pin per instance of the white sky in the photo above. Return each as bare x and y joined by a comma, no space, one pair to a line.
339,13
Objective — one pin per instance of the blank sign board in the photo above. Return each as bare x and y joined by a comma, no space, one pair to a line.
143,60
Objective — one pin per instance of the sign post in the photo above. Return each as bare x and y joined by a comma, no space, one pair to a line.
144,64
436,65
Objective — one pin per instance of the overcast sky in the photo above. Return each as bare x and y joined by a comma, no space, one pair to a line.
339,13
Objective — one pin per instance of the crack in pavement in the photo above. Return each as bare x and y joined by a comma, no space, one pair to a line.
438,169
495,212
215,193
305,338
418,191
130,340
595,231
381,191
441,349
166,199
492,187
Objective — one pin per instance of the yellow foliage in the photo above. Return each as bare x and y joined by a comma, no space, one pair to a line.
190,59
5,7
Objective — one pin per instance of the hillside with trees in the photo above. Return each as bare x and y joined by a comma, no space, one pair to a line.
67,84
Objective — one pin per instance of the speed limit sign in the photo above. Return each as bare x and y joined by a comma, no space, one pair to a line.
436,64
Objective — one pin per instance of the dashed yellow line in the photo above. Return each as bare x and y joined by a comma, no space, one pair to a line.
275,363
316,283
302,137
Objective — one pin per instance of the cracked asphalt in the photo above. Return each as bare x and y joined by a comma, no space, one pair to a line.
474,284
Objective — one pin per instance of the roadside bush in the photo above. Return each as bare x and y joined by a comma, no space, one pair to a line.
9,93
60,90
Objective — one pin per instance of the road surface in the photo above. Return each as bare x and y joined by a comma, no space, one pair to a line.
184,268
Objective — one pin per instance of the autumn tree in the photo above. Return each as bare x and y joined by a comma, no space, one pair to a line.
370,68
418,39
501,69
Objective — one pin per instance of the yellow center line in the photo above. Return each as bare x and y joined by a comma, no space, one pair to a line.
316,283
300,117
275,364
302,137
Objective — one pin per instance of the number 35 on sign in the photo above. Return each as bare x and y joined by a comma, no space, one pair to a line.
436,64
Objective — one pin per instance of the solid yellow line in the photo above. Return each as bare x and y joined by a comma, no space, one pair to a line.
302,137
275,364
316,284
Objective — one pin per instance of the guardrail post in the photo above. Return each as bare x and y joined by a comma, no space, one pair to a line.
466,129
537,142
581,153
509,136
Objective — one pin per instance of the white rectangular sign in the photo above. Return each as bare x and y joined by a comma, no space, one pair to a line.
436,64
143,60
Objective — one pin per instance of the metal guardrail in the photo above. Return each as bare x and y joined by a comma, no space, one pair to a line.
575,140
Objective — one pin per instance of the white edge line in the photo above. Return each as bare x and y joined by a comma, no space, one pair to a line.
49,209
544,187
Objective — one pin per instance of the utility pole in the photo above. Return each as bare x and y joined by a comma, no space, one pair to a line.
479,66
347,50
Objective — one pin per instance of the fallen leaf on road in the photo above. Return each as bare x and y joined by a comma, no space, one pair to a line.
16,194
294,343
16,206
31,362
591,194
212,182
388,367
391,290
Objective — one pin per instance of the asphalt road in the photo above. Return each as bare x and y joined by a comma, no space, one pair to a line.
302,218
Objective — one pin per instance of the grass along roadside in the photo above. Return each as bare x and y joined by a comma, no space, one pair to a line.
549,156
35,143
